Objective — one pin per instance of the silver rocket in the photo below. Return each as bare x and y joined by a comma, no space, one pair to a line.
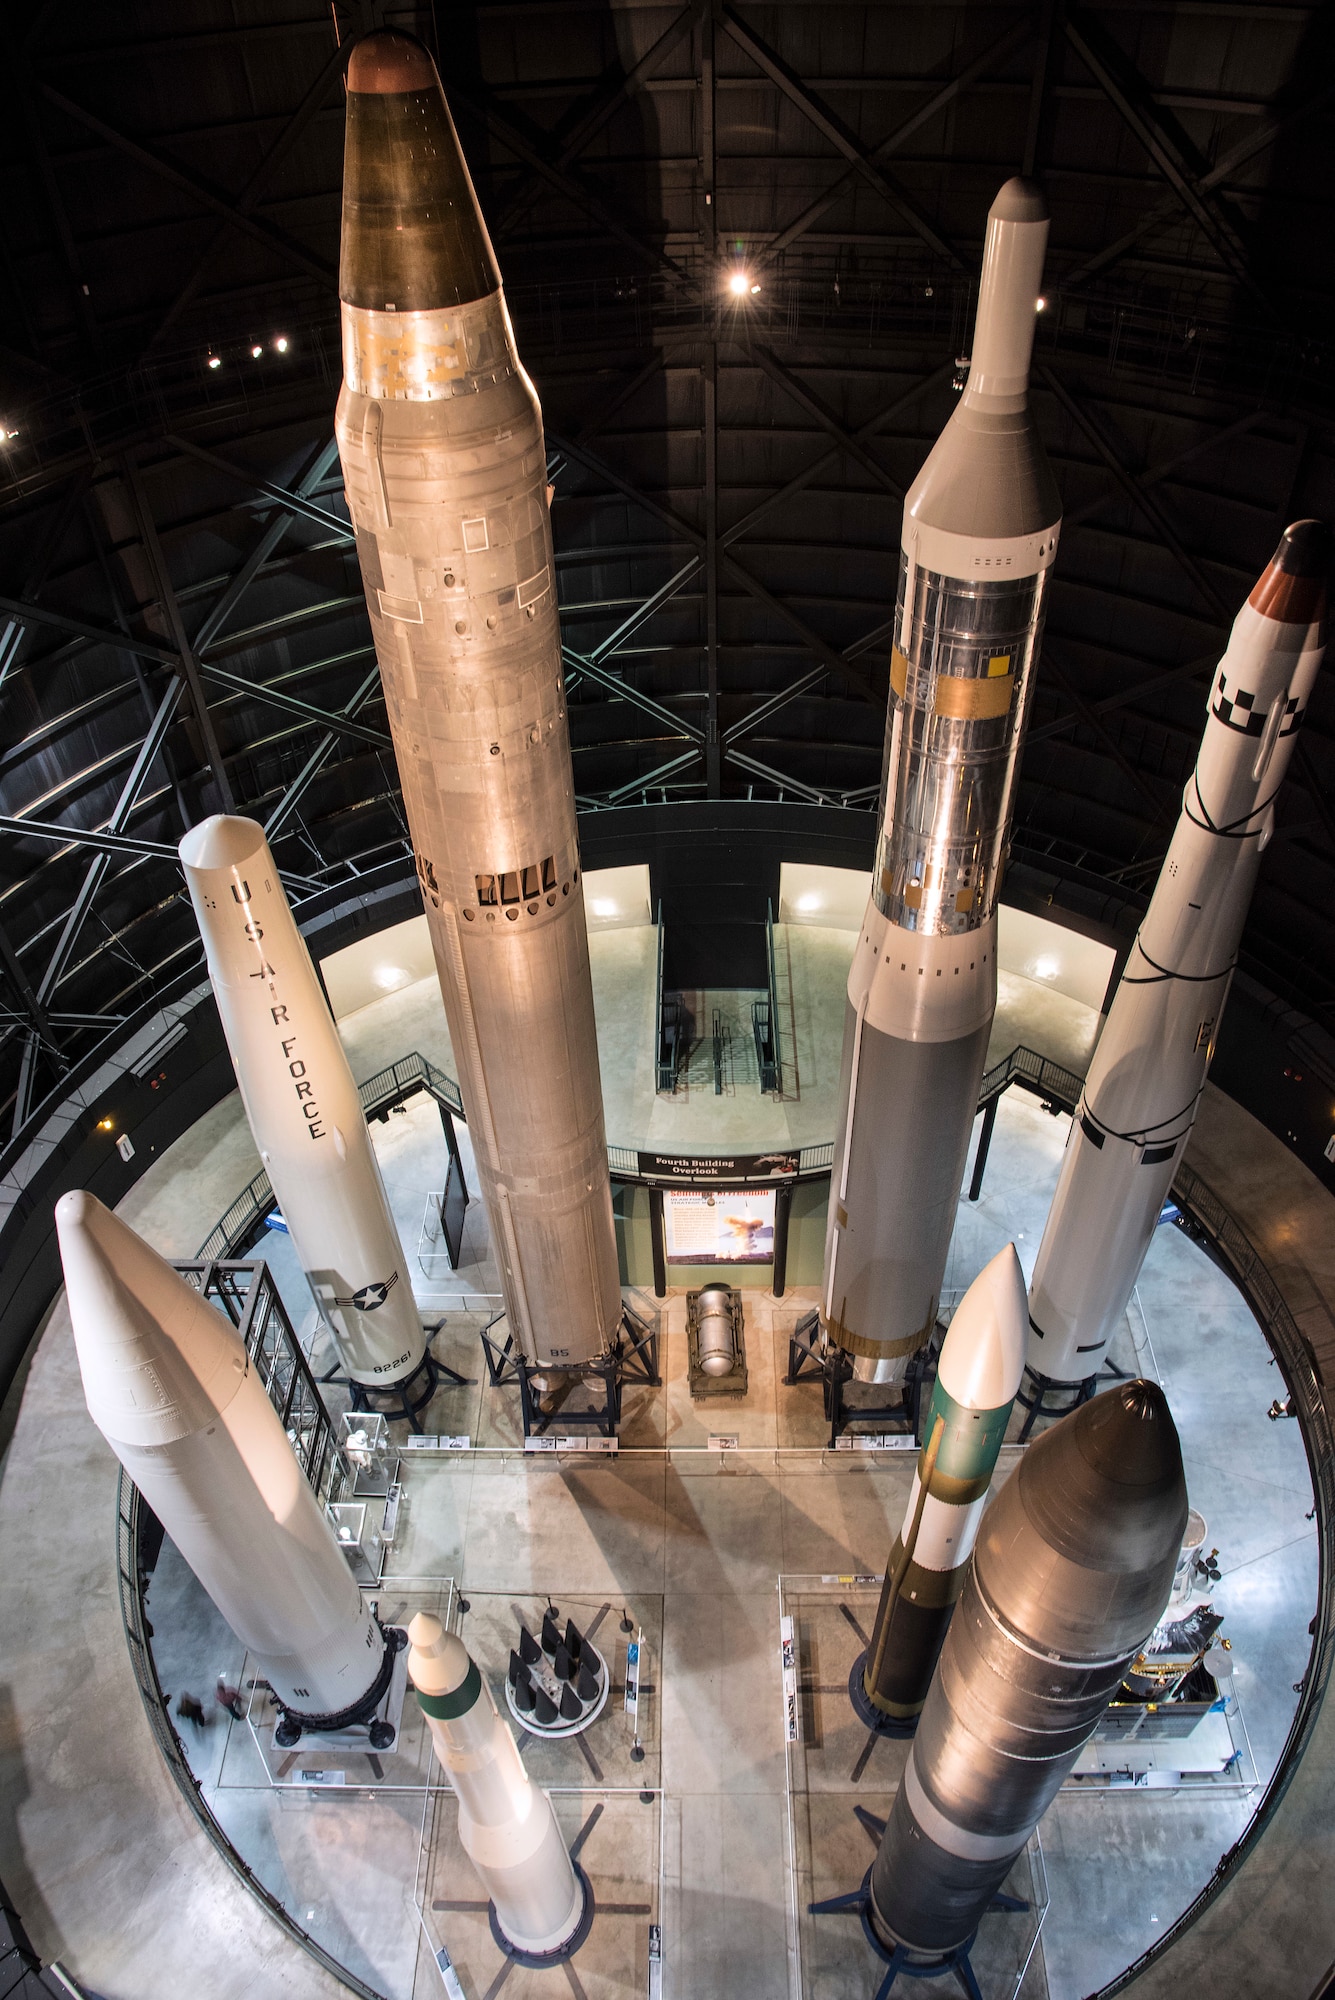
980,533
1071,1572
169,1386
441,440
302,1102
1139,1103
507,1826
982,1359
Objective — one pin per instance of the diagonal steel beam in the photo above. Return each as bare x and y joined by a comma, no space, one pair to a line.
839,136
822,649
598,114
11,632
1155,473
186,664
78,836
1143,502
271,697
781,779
655,777
294,502
198,191
124,806
995,53
309,108
643,612
1083,34
38,614
264,548
319,756
850,447
578,664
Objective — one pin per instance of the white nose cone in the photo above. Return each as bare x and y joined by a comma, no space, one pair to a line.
982,1357
157,1362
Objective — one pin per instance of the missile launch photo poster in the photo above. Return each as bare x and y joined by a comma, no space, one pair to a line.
719,1226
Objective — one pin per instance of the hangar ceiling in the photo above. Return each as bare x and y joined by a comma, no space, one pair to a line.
181,620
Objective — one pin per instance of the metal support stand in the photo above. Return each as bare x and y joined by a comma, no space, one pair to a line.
402,1401
1035,1393
807,1361
900,1958
633,1356
658,1242
783,1208
538,1959
871,1717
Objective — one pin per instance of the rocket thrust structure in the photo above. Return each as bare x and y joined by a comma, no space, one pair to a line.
169,1385
507,1826
302,1102
1071,1573
980,534
982,1359
441,440
1139,1102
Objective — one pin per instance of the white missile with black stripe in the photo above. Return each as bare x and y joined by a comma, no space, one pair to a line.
1139,1101
541,1902
980,534
302,1103
982,1360
444,466
169,1385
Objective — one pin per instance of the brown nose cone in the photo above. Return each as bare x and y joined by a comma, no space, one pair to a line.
384,63
1293,588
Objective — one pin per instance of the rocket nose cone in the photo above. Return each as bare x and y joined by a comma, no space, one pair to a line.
982,1356
438,1661
76,1209
386,62
1019,201
1293,587
413,235
1129,1438
223,841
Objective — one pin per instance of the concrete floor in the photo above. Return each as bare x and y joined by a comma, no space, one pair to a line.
113,1874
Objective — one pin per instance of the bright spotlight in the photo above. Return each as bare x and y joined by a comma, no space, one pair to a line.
256,352
389,977
1046,968
281,343
215,361
809,902
739,284
754,290
1040,305
601,907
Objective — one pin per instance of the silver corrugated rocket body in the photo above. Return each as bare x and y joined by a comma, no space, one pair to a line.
1139,1103
441,440
506,1823
169,1386
982,1358
980,533
1072,1569
302,1102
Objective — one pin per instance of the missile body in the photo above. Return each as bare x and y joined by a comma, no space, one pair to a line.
169,1386
442,446
1071,1572
1139,1103
980,533
506,1823
982,1359
302,1102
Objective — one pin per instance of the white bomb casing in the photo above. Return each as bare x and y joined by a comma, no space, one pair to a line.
980,534
301,1101
1139,1102
506,1823
169,1385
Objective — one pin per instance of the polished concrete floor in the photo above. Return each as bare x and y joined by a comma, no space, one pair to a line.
112,1871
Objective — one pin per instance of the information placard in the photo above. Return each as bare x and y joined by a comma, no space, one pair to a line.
719,1225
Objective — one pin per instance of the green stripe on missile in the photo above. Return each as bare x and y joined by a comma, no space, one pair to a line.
968,1451
448,1707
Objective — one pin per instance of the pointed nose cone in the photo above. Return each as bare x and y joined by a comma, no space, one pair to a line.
226,840
413,235
982,1356
438,1661
1019,201
1293,587
157,1362
1105,1486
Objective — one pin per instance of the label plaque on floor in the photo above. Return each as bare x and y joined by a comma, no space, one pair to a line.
894,1441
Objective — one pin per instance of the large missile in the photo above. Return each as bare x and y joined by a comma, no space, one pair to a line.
1139,1102
982,1359
441,439
302,1102
169,1386
980,534
507,1826
1072,1570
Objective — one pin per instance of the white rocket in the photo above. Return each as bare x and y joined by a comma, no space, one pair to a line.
441,441
1139,1102
169,1386
979,537
302,1102
506,1823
